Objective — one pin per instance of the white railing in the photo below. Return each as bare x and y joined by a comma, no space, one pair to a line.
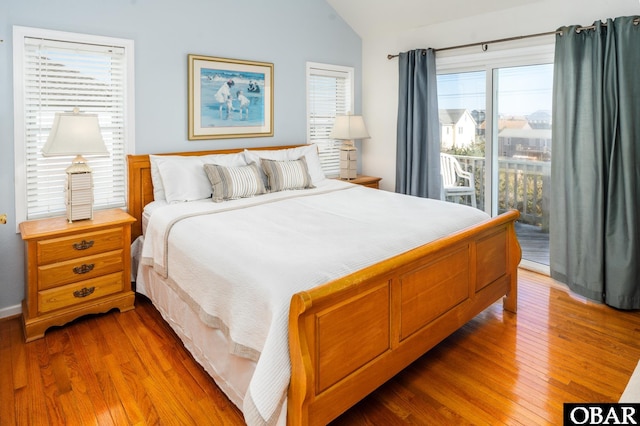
522,184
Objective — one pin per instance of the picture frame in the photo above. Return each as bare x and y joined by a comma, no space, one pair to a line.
229,98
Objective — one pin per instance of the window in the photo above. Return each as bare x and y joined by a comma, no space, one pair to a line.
330,92
56,72
508,95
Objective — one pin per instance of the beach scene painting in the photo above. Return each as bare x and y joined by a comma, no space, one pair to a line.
229,98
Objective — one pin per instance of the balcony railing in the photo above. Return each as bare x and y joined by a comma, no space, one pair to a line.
522,184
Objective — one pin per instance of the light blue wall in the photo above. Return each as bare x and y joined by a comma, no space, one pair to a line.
287,33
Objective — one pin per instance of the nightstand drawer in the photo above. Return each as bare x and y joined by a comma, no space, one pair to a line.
82,268
77,293
85,244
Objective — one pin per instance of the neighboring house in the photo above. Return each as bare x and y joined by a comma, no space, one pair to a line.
525,143
457,128
520,137
507,123
540,119
480,116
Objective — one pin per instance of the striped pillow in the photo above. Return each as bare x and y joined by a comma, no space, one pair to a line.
229,183
283,175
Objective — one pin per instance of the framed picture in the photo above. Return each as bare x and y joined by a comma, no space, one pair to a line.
229,98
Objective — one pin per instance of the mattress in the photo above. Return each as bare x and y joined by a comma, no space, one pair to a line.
232,267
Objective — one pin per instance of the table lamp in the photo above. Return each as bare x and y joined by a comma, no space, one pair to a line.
348,128
76,134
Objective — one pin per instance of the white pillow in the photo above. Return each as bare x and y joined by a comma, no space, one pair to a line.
183,177
156,180
310,152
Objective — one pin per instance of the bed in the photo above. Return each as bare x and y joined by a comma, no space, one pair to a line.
349,328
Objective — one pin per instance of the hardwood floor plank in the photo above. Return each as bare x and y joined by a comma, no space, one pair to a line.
109,394
49,387
7,397
72,416
21,396
18,355
85,380
33,401
415,407
123,389
500,368
167,403
528,388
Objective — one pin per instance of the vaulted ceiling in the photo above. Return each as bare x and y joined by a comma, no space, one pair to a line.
371,18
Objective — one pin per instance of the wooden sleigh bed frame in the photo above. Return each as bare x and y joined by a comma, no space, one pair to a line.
349,336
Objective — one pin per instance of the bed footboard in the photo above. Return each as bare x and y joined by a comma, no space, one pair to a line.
351,335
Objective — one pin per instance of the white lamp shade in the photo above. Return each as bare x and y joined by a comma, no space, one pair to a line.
349,127
75,134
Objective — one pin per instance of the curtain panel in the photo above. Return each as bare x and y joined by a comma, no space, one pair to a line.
418,139
595,172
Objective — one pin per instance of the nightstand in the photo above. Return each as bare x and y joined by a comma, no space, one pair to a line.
74,269
370,181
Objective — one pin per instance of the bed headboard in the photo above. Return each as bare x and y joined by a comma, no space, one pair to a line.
140,187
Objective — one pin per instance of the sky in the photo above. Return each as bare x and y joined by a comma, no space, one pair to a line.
521,90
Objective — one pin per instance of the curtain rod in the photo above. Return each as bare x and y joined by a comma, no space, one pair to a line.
485,44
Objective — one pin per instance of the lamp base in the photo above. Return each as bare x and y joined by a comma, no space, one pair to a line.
79,192
348,161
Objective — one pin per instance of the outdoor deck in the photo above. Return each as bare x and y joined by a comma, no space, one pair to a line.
522,184
534,243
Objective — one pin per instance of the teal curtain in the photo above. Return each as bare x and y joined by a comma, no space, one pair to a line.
595,173
418,137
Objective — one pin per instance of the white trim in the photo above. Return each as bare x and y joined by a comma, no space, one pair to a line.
328,68
539,268
511,57
329,153
10,311
490,169
19,35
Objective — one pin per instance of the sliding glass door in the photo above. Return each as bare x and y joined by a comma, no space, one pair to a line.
496,129
523,142
462,109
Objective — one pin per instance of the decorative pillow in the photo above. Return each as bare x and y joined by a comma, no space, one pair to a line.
309,152
180,178
229,183
282,175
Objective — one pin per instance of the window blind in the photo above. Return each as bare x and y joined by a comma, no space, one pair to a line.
329,93
57,76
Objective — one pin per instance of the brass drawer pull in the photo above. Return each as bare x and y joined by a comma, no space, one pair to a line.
83,292
83,269
83,245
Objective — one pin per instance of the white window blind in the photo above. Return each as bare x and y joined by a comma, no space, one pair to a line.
58,72
330,92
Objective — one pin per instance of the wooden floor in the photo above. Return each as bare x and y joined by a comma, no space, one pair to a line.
500,368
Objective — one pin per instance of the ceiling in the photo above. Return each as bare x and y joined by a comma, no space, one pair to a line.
370,18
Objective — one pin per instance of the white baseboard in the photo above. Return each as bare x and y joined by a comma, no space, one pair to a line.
10,311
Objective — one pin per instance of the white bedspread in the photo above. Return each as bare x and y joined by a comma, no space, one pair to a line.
239,262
